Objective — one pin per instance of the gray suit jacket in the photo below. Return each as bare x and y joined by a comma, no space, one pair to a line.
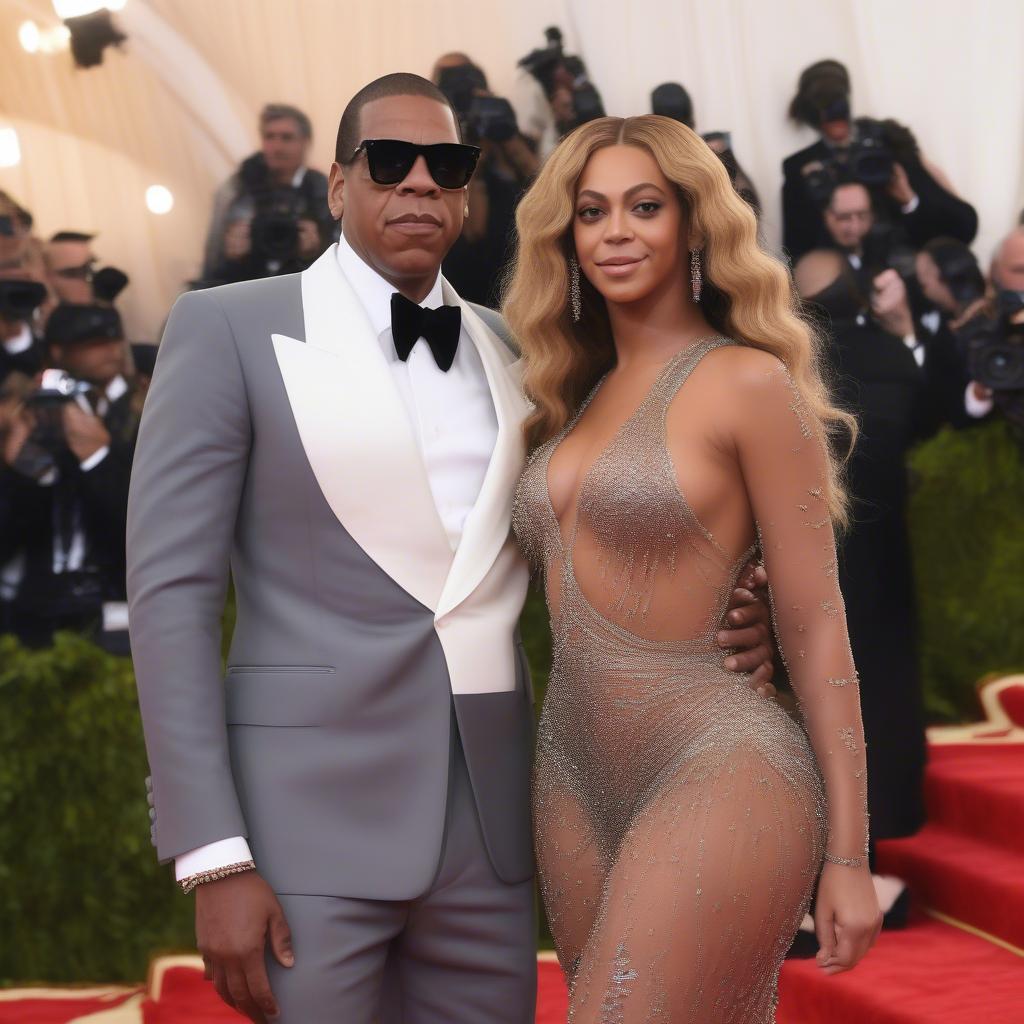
273,445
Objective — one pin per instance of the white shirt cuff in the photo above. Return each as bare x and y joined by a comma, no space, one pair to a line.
21,343
211,857
976,408
912,205
95,459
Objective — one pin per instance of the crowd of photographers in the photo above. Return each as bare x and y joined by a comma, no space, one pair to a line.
878,239
71,394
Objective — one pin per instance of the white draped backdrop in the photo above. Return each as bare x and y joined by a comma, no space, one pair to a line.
178,105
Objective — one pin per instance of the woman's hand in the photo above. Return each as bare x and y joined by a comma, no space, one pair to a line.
847,918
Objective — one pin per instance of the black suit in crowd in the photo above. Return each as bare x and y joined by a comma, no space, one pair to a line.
939,213
35,519
898,404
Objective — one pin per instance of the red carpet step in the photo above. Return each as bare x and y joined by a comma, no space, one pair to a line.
978,790
928,973
976,882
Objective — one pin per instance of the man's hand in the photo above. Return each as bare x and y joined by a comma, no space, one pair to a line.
84,433
981,393
234,918
889,304
747,627
309,239
899,186
237,240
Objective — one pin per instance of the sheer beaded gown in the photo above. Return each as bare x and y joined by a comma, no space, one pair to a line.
680,817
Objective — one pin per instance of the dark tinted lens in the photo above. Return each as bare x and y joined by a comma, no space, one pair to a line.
390,160
451,165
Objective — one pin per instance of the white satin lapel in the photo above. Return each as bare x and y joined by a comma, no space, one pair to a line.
357,436
487,527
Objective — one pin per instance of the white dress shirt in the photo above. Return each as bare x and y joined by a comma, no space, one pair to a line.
455,426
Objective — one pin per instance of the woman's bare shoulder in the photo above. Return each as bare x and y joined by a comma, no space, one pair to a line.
744,370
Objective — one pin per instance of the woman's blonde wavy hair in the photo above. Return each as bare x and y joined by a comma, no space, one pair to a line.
747,294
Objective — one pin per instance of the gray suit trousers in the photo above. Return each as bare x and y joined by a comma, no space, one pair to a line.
462,953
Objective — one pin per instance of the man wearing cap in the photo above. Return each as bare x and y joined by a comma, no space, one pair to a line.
66,466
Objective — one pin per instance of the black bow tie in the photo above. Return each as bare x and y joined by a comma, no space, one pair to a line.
440,327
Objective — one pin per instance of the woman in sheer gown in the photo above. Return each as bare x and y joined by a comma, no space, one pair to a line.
679,424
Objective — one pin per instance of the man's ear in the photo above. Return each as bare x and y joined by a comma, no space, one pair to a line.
336,190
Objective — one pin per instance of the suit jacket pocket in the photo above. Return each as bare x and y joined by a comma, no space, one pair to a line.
301,695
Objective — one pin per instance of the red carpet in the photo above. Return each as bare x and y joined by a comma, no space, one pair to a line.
929,973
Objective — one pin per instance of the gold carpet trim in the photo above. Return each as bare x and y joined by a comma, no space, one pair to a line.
977,932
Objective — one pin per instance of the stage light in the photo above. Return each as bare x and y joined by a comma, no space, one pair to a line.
28,36
159,199
10,150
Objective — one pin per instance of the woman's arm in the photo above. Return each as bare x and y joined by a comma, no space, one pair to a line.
782,457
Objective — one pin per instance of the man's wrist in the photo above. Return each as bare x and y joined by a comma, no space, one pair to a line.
93,460
911,204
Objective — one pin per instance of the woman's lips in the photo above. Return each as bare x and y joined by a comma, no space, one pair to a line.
621,269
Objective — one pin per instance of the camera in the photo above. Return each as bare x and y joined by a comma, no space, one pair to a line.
274,229
868,160
42,451
994,344
19,299
481,117
57,387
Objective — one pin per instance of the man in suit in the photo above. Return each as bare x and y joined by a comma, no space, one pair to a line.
352,801
67,463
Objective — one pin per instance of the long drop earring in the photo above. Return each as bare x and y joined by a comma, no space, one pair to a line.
574,289
695,275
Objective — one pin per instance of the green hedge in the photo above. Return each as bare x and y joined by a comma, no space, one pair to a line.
81,895
967,527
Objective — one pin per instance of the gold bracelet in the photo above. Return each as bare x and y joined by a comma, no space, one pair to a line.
202,877
846,862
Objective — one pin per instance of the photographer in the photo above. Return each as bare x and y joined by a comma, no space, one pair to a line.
271,216
66,466
554,93
950,278
21,351
993,339
908,191
670,99
475,263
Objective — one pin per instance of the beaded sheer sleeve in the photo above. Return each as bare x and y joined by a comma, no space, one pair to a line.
783,462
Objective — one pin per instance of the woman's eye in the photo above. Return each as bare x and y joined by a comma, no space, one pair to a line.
588,210
648,206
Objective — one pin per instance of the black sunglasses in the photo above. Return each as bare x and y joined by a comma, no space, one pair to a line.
451,164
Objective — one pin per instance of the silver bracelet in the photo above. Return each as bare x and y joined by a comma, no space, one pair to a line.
202,877
846,862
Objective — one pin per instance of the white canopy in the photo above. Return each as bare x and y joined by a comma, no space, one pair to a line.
178,105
